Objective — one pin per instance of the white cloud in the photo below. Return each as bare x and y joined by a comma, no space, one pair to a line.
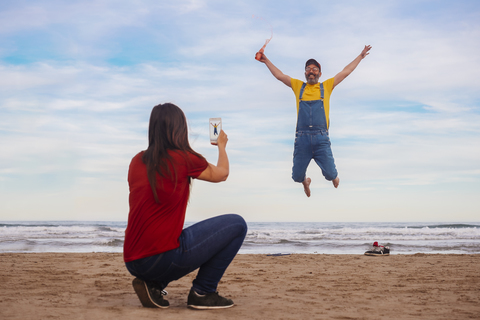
406,119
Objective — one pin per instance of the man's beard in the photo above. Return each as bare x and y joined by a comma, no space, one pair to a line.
312,80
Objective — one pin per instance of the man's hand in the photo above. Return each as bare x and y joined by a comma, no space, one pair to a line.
262,57
351,66
365,51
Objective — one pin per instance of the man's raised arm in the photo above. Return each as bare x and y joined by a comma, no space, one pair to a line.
275,71
351,66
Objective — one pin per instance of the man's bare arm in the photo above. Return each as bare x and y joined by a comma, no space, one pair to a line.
275,71
351,66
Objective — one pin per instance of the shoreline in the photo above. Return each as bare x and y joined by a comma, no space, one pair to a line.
295,286
261,254
262,237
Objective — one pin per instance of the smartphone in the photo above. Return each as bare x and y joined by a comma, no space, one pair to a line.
215,125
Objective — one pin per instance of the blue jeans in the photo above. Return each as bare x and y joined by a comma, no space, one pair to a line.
313,145
209,245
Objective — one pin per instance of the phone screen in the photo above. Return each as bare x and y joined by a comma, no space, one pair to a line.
215,125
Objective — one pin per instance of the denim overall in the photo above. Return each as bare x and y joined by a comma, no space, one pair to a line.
312,140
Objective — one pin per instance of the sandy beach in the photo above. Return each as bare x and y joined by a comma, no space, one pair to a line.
97,286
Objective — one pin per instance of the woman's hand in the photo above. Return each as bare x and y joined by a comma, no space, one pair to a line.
222,139
219,172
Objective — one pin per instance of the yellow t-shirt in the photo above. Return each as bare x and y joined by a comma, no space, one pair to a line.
312,92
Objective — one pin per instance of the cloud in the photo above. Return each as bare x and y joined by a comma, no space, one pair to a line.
75,102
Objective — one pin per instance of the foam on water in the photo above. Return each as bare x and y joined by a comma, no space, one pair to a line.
262,237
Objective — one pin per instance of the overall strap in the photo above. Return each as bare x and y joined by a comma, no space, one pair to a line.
303,88
301,91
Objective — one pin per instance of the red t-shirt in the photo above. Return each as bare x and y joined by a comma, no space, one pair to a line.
153,227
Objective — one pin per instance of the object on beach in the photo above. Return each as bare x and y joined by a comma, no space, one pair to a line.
258,55
278,254
149,294
378,250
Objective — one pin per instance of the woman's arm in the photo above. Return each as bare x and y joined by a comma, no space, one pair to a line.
219,172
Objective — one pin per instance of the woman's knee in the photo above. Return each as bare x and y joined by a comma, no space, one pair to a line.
239,222
229,220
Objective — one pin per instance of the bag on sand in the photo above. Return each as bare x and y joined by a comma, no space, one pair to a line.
378,250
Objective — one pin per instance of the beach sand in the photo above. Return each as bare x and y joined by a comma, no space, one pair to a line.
297,286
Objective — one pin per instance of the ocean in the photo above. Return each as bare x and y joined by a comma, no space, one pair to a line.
262,237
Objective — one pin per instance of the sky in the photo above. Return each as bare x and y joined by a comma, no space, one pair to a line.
79,80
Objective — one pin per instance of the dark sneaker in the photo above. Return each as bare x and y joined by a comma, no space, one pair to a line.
208,301
150,296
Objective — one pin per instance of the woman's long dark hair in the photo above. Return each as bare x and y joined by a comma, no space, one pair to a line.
167,131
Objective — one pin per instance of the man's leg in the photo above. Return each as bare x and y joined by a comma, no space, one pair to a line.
323,156
336,182
302,155
306,186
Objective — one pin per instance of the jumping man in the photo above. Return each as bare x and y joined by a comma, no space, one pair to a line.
313,106
215,126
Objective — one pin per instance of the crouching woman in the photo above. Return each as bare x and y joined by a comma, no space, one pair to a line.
157,250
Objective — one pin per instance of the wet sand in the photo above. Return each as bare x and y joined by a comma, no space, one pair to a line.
297,286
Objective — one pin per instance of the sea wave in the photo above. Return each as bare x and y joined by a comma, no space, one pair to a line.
262,237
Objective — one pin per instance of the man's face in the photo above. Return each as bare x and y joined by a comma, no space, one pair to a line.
312,74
